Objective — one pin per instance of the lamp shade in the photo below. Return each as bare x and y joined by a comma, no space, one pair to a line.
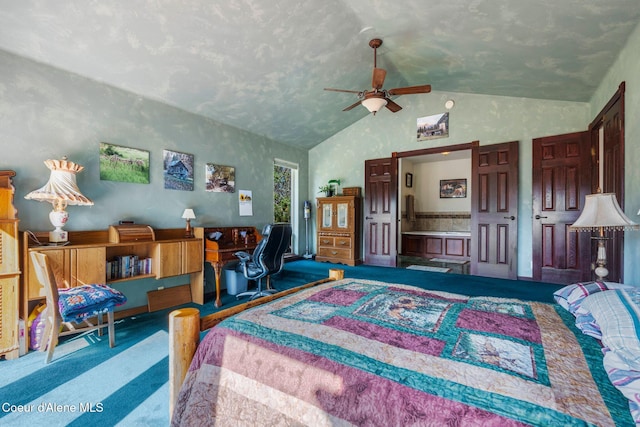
188,214
61,187
602,211
374,104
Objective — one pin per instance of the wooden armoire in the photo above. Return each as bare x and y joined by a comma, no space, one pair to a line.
338,229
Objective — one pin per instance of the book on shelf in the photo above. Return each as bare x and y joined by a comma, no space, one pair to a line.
125,266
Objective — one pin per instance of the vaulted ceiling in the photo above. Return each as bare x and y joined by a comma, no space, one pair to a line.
261,65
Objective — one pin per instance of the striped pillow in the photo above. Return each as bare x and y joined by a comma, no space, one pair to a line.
570,297
619,320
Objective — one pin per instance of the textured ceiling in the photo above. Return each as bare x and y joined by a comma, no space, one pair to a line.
261,65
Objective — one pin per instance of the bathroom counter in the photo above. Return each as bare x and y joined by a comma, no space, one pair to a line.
454,245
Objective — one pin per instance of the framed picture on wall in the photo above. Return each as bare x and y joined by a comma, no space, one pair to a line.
408,180
431,127
178,170
453,188
124,164
220,179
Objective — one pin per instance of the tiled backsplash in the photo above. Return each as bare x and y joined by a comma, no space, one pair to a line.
438,221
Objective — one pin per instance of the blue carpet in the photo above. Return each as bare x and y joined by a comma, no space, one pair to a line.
89,383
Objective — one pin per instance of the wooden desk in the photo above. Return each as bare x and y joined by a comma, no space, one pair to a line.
220,251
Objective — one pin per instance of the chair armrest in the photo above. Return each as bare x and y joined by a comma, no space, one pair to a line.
244,256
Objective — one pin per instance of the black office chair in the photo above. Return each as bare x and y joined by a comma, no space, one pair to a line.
267,258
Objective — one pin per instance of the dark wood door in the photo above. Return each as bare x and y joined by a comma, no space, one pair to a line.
611,122
494,210
561,180
380,212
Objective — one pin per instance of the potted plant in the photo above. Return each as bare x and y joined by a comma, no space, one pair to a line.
326,189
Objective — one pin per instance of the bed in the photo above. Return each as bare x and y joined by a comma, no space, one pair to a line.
365,352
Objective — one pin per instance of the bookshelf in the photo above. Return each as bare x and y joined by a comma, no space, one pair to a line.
85,260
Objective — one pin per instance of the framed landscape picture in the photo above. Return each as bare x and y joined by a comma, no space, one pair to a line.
178,170
220,179
453,188
431,127
124,164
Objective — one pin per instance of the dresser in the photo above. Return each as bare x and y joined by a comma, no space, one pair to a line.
9,269
338,229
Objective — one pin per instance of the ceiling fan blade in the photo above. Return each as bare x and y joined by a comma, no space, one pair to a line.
392,106
355,104
378,78
341,90
410,90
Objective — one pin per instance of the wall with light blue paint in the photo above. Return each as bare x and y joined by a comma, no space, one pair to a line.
48,113
627,69
488,119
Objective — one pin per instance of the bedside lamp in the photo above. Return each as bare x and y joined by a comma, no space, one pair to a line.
60,191
602,213
188,215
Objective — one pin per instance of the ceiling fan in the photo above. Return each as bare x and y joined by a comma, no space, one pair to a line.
376,98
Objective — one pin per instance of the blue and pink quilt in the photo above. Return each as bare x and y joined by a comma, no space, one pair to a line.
360,352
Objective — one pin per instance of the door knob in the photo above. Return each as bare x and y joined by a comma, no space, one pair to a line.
539,217
368,217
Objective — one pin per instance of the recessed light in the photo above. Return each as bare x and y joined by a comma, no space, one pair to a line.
449,104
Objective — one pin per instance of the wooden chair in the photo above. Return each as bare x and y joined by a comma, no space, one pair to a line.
96,299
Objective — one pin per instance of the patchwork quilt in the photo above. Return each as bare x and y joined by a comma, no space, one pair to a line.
360,352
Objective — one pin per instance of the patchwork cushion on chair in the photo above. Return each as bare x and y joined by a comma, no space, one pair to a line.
84,301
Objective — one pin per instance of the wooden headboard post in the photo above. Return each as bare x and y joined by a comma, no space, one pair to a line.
184,337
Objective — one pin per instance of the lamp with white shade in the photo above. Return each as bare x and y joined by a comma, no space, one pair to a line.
602,213
188,215
61,190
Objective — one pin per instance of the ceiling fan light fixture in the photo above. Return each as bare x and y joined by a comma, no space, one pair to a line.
374,104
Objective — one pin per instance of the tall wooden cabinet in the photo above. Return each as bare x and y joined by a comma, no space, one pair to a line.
338,229
9,269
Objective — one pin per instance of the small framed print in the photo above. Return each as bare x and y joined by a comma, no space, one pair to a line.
408,180
453,188
220,179
431,127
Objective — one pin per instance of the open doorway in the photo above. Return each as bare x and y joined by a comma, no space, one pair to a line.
492,246
434,203
285,199
383,204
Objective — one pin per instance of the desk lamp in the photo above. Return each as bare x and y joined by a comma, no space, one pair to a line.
188,215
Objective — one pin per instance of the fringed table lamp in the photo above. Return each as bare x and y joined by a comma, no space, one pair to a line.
60,191
602,213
